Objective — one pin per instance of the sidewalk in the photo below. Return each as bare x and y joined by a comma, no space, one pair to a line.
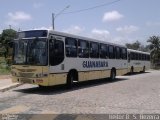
6,83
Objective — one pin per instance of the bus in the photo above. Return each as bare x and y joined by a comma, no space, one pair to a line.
138,61
48,57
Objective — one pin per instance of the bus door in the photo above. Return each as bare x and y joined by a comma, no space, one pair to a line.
56,54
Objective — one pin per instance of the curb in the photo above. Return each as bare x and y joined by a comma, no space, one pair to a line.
6,88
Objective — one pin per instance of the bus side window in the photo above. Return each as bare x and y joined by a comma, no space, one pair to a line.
140,56
148,57
129,57
132,55
145,57
124,54
111,52
103,51
94,50
137,56
71,47
83,49
118,52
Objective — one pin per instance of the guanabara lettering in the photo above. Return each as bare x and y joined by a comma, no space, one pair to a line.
94,64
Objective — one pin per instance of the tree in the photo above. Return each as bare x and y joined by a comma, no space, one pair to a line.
154,46
0,38
135,46
6,37
138,46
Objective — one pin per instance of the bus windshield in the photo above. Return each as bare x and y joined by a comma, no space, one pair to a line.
30,52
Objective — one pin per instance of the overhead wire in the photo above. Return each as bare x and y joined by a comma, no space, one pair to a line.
90,8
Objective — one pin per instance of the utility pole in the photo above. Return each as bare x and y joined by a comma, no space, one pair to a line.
53,19
54,16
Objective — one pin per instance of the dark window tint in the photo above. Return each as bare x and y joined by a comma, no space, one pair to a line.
118,52
148,57
103,51
56,52
143,57
133,56
32,33
83,49
71,47
94,50
124,53
111,52
139,56
136,56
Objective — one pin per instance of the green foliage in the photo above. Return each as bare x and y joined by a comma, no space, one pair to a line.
137,46
4,68
134,46
154,46
5,38
0,37
7,35
5,50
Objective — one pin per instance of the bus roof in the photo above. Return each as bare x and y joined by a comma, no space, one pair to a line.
75,36
83,38
137,51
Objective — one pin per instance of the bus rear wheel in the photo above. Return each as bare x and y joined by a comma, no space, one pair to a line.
132,70
70,79
144,69
42,87
113,75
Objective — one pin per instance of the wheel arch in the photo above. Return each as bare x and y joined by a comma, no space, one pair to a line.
74,72
114,69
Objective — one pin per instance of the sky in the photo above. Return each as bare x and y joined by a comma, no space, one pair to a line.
123,21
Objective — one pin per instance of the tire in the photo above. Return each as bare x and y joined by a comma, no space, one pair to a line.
70,79
42,87
132,70
144,69
113,75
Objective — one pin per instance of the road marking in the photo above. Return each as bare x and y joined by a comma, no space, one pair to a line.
15,109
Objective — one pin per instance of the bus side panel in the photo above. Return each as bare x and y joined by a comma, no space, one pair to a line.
120,72
92,75
57,79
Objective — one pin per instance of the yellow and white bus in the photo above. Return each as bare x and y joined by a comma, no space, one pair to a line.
47,58
138,61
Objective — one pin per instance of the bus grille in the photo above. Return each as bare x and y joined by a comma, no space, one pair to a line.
26,74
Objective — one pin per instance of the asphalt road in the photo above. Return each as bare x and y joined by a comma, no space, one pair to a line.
138,93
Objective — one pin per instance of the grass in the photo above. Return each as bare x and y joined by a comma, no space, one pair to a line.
4,71
4,68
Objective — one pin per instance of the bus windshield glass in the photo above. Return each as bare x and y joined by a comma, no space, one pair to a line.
30,52
32,33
